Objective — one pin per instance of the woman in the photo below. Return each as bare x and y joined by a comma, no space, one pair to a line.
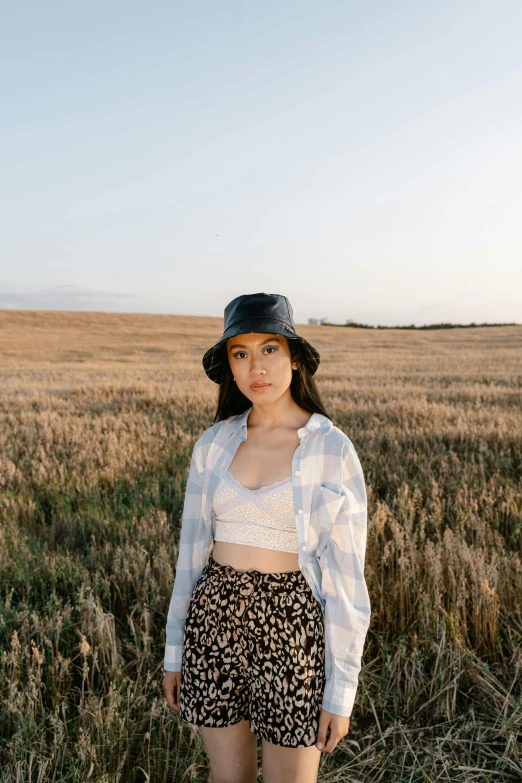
269,609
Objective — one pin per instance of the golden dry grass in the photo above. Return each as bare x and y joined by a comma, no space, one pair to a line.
98,415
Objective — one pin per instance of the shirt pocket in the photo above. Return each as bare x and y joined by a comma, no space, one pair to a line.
326,505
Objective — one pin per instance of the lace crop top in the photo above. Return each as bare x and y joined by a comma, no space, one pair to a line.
261,517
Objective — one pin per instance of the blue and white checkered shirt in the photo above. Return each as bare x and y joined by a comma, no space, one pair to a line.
331,519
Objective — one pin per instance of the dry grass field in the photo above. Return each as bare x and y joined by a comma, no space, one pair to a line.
98,415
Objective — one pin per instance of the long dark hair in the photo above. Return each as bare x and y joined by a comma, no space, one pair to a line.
304,391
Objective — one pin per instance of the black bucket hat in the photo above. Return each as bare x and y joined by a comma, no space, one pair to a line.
261,313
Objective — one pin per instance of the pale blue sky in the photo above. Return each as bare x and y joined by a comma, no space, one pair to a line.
363,159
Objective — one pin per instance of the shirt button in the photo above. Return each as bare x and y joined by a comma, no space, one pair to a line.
297,472
301,432
299,510
304,549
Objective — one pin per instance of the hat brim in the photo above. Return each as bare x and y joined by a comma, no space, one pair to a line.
215,356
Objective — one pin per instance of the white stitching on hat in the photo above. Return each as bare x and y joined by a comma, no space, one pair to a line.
266,317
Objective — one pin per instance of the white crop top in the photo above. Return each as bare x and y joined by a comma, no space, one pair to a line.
261,517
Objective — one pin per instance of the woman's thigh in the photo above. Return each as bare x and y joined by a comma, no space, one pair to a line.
232,751
290,765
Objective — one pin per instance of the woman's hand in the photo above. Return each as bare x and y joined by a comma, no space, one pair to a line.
339,726
171,682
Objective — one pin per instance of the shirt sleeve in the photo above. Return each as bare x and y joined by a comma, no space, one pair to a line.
347,602
189,564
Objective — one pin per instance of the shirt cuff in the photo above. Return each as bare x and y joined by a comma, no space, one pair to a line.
338,698
172,660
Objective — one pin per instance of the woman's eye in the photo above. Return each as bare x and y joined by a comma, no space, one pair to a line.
268,348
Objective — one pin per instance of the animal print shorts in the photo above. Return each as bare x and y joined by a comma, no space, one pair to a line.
254,649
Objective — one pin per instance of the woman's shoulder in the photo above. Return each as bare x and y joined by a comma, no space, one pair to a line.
212,432
339,440
216,433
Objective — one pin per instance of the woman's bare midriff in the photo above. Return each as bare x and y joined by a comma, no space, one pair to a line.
243,558
258,462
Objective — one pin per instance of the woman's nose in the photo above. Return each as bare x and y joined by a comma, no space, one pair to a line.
256,367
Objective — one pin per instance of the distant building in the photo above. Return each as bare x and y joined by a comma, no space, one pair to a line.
320,321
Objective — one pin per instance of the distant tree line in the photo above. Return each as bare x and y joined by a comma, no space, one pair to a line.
354,324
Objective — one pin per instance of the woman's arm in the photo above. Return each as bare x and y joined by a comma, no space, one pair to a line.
347,602
190,561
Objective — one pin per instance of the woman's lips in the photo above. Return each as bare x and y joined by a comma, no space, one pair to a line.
259,387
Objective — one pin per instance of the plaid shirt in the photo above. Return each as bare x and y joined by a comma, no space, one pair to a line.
331,521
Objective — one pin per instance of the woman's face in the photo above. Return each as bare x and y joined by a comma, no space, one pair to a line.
256,358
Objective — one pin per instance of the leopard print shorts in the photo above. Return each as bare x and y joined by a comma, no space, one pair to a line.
254,648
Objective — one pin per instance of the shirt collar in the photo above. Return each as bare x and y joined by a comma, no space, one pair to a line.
316,423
